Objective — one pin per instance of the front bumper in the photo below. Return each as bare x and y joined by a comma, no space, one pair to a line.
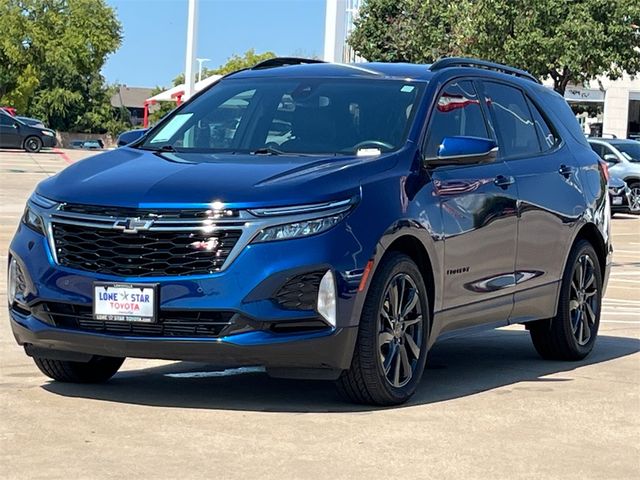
48,142
328,351
244,288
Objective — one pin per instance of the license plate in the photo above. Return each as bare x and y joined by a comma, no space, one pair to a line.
124,302
617,200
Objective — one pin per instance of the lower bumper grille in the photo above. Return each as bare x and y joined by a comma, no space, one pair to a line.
171,323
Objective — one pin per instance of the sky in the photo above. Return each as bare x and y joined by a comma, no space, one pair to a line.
153,48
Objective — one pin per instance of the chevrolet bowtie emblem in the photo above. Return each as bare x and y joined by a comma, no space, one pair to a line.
132,225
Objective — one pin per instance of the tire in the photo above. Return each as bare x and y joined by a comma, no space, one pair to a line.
572,333
33,144
634,201
386,339
97,370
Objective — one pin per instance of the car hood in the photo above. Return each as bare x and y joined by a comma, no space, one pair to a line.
135,178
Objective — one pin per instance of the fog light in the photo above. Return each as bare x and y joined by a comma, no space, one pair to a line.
12,281
327,298
17,286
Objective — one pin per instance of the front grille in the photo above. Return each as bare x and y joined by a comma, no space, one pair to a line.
171,323
142,254
300,292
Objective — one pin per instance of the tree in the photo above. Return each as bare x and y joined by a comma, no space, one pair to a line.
51,54
417,31
567,41
233,63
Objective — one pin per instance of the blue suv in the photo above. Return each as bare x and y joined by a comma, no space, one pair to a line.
324,221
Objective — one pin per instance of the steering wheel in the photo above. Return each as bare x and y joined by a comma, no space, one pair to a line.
375,143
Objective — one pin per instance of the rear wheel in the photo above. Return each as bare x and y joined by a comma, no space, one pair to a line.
571,334
33,144
391,348
97,370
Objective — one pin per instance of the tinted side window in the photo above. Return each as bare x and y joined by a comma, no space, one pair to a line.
546,133
5,120
515,127
457,113
598,148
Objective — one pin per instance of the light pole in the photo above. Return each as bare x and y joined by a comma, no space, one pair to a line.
192,34
200,62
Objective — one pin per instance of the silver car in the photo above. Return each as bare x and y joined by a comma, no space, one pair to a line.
623,159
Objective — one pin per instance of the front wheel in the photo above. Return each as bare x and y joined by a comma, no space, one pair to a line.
391,348
97,370
571,334
33,144
634,198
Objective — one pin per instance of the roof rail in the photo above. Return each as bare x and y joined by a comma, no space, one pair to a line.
475,63
283,62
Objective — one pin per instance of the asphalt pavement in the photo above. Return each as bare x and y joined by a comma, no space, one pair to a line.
487,408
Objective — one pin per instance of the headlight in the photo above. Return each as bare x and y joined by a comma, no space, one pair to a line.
33,220
298,229
47,133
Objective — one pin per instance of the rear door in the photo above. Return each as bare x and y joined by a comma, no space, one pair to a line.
550,199
478,205
9,132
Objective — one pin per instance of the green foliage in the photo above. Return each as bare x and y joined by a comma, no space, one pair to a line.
51,53
568,41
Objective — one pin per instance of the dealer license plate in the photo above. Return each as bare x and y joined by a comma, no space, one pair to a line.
124,302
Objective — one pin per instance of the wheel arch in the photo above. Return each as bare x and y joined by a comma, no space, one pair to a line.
418,245
590,233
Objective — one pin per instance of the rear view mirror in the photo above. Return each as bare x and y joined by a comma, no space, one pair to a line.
465,151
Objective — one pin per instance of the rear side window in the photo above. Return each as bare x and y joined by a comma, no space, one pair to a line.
513,120
546,133
457,113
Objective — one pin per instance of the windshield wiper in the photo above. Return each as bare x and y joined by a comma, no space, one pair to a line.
163,148
268,151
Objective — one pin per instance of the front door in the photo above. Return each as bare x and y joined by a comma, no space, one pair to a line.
9,132
478,204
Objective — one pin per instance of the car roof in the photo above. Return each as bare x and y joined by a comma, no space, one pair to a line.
342,70
382,70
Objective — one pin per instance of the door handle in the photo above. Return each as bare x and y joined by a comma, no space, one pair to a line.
504,181
566,170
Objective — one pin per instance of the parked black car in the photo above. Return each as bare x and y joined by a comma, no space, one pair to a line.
17,134
619,196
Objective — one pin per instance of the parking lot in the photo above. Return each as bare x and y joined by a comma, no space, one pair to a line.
488,407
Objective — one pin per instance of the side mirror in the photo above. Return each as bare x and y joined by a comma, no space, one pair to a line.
131,136
16,125
464,151
610,158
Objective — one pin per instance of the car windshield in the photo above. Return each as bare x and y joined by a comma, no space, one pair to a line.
631,150
292,116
